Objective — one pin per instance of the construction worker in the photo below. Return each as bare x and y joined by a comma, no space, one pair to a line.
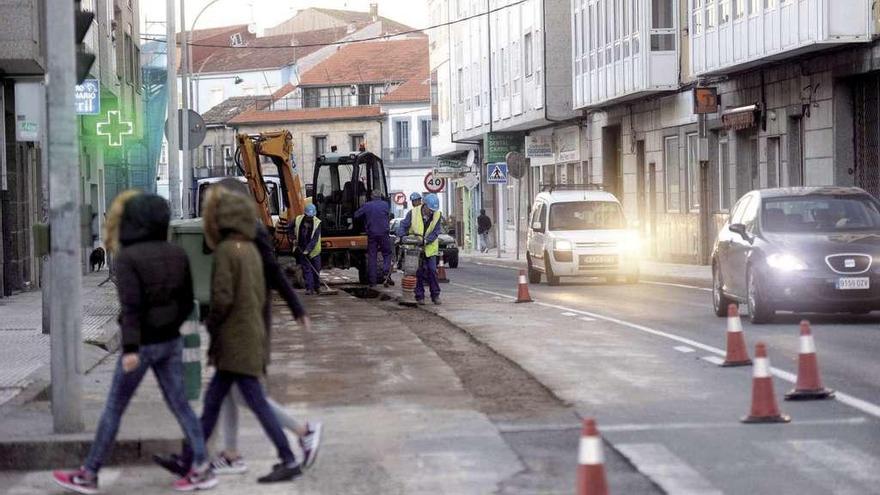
376,214
415,199
308,248
424,221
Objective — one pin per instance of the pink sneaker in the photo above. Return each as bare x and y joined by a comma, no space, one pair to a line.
203,479
80,481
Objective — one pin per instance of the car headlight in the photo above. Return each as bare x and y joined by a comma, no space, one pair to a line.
785,262
562,245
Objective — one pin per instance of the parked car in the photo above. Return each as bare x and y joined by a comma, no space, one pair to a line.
805,249
448,247
580,231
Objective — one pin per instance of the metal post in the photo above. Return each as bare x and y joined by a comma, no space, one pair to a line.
171,82
64,216
518,201
498,223
704,189
184,121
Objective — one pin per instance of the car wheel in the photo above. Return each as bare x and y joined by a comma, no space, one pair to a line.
534,275
552,280
720,301
760,310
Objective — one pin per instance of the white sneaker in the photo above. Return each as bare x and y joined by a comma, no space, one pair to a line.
222,465
310,443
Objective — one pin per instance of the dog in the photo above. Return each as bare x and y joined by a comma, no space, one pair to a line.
97,259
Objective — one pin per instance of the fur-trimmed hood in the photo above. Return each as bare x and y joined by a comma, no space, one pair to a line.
226,213
113,220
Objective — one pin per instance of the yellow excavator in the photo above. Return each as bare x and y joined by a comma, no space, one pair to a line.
342,183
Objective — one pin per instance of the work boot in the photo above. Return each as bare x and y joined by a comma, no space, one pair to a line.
420,302
436,300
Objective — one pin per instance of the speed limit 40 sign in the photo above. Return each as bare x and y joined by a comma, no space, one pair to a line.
434,184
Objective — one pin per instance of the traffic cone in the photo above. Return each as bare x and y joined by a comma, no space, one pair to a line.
407,290
764,408
523,293
809,385
591,468
737,355
441,272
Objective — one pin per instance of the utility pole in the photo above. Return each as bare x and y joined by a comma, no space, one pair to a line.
184,121
171,82
64,217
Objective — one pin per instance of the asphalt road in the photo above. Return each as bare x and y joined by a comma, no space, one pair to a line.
639,358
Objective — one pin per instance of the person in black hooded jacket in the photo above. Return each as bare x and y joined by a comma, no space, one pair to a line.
156,296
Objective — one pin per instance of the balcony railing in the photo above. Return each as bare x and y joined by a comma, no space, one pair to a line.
333,101
408,156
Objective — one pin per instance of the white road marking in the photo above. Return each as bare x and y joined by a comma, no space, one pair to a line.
587,318
713,359
685,349
838,466
852,401
569,314
682,286
639,427
670,472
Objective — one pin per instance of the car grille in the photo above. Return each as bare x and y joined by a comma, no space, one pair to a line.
849,264
593,245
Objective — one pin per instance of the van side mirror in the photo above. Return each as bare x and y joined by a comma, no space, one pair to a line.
537,226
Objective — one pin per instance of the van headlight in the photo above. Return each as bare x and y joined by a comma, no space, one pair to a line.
562,245
562,251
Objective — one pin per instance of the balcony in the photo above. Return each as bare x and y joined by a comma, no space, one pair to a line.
331,101
408,157
725,41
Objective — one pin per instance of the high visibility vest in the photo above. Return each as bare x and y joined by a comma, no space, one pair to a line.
315,233
417,227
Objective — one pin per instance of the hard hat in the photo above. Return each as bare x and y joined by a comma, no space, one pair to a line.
311,210
415,197
432,202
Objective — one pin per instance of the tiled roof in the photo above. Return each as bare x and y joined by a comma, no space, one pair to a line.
283,91
222,113
307,115
371,62
351,16
417,89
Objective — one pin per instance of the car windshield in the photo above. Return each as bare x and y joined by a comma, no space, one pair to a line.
586,215
820,214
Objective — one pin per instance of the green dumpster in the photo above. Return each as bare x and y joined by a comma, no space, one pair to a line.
190,235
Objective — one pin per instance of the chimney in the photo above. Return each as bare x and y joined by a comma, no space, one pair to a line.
374,11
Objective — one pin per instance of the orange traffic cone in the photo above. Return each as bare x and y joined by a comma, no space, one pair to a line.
591,468
737,355
407,291
441,272
523,293
809,385
764,408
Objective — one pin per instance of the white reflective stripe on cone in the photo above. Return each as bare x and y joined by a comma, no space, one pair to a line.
734,324
590,453
808,345
522,279
192,354
761,368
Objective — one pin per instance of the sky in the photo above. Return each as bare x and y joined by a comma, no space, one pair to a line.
268,13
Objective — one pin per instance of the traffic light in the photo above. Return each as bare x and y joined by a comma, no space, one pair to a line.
84,58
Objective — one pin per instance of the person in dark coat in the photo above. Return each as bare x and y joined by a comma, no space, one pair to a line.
156,296
484,225
376,215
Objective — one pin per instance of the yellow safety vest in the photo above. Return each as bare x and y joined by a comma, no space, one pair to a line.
417,227
315,232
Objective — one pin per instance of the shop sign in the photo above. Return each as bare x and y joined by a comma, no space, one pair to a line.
539,146
568,145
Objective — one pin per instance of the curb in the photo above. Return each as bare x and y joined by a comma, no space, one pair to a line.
48,453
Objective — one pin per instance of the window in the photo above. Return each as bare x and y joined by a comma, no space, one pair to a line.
356,140
769,4
401,140
460,84
663,18
425,137
739,210
208,153
711,14
320,145
754,7
750,214
227,155
538,217
820,214
693,171
739,8
673,175
697,24
723,174
586,215
527,47
724,11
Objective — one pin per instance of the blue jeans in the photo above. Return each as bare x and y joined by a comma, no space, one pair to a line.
312,277
255,398
376,244
166,362
427,274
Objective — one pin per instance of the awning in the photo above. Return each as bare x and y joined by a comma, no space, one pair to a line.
739,118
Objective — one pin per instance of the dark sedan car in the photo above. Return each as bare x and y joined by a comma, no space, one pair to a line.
806,249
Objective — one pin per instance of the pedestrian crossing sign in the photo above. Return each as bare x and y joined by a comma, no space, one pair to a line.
496,173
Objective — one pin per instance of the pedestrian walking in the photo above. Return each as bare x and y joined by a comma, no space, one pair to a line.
155,291
484,225
376,215
308,248
239,348
424,221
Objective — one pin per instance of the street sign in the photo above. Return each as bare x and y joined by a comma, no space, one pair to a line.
539,146
705,100
87,97
197,129
114,128
399,198
496,173
499,144
434,184
516,163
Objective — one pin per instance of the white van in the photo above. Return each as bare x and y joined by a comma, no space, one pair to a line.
580,231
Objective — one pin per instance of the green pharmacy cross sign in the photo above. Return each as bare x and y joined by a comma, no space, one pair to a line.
114,128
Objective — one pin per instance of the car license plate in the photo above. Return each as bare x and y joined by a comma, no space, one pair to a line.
598,260
854,283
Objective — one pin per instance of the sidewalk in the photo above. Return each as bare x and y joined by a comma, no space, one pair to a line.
654,271
24,349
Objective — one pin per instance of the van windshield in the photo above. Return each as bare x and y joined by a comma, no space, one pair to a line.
586,215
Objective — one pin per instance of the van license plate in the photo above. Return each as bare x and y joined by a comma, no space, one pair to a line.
598,260
854,283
